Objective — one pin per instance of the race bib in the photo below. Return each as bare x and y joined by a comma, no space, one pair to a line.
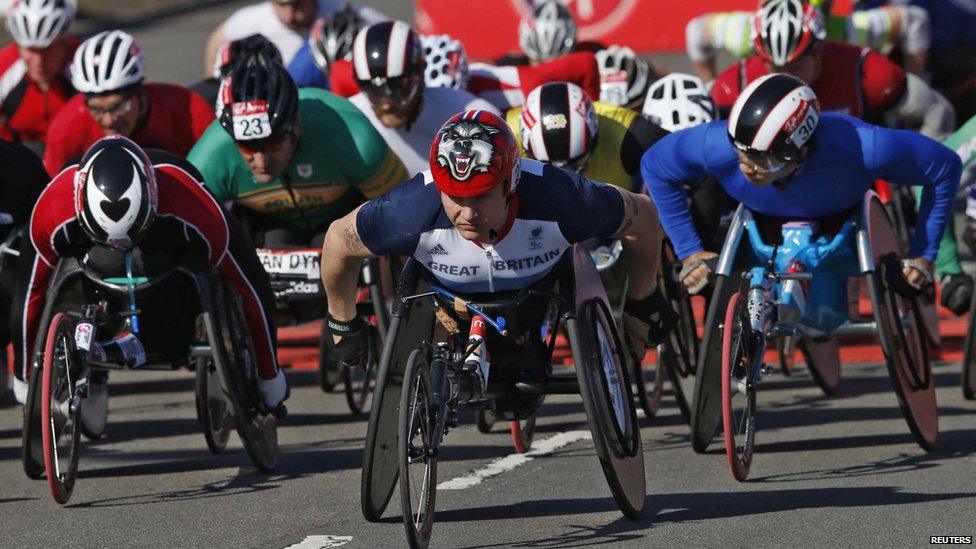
613,88
251,120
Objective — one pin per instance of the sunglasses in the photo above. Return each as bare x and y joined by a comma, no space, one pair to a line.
266,146
398,89
118,109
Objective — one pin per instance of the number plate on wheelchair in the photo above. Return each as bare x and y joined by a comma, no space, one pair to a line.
292,264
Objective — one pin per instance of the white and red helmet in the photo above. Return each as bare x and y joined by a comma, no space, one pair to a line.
776,114
783,30
559,125
37,23
472,153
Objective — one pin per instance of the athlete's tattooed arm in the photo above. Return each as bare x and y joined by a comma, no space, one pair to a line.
342,255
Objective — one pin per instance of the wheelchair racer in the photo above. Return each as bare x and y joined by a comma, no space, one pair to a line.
855,81
481,220
780,157
119,197
390,64
880,28
294,159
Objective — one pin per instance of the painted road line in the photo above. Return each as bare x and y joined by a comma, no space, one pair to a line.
321,542
503,465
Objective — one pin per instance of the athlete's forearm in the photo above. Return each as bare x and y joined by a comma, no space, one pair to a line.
342,255
640,234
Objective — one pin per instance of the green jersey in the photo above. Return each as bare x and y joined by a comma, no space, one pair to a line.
340,162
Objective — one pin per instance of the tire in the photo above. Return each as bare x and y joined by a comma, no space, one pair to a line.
485,420
522,432
237,371
648,385
59,408
330,373
604,385
213,410
678,389
969,359
706,408
32,444
416,424
906,355
358,380
738,395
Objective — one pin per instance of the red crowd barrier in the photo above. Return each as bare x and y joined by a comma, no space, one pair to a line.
489,28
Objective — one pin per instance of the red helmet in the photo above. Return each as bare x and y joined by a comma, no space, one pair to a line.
472,152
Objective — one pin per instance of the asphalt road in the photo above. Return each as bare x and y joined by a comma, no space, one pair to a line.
838,471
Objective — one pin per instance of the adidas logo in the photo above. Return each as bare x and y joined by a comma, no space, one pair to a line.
437,250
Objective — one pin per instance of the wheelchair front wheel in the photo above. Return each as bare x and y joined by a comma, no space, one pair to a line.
417,456
60,407
738,391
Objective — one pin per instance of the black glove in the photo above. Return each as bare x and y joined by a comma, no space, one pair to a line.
957,292
647,322
896,279
355,340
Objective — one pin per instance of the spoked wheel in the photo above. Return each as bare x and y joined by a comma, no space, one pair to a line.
213,409
358,379
785,348
603,378
906,355
60,404
32,443
738,391
330,372
237,371
522,432
417,457
648,385
485,420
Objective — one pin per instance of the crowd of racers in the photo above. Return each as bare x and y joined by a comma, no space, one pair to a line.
313,107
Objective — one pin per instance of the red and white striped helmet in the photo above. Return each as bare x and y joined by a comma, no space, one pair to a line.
785,29
559,125
388,60
777,114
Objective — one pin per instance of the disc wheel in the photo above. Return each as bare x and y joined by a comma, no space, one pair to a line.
213,409
906,355
237,371
60,404
417,457
522,432
738,391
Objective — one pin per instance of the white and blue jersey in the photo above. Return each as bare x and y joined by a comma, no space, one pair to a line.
551,210
846,157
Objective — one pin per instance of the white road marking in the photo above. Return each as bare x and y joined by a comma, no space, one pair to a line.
321,542
503,465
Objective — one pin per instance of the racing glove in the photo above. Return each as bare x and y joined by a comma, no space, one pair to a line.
355,340
647,322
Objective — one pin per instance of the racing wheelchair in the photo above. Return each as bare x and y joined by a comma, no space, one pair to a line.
89,303
800,288
296,280
421,384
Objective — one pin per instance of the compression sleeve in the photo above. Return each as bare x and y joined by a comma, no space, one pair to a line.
908,158
666,166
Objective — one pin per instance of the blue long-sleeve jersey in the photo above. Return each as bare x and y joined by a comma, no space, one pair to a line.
846,157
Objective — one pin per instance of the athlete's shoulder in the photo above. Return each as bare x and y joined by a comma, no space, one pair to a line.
730,82
394,222
9,55
175,165
452,101
616,113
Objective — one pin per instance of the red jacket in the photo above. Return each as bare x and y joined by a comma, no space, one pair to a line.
26,110
177,118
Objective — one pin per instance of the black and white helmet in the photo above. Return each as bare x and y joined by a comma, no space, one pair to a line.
783,30
623,76
559,125
548,32
678,101
447,62
115,195
36,23
332,36
107,62
776,114
388,61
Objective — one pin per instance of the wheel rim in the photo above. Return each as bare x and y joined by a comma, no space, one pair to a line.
420,473
62,422
60,405
908,344
740,395
613,379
